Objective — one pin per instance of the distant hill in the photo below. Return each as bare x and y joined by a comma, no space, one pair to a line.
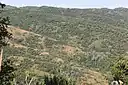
10,7
66,41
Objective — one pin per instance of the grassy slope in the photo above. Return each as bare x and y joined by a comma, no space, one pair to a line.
69,40
41,59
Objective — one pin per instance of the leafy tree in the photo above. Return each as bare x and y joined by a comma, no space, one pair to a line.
120,70
4,34
6,70
7,73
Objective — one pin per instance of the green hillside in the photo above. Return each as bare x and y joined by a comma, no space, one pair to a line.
68,42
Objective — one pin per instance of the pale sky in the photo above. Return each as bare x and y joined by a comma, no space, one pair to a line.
69,3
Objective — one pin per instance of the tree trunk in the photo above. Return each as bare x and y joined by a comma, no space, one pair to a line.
1,55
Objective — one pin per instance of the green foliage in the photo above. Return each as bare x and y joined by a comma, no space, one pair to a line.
4,34
120,69
57,80
97,33
29,78
7,74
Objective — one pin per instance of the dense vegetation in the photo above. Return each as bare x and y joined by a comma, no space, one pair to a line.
6,70
66,42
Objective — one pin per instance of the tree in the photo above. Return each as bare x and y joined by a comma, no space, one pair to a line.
5,35
6,70
7,73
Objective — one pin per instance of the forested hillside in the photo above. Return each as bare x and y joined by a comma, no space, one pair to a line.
68,42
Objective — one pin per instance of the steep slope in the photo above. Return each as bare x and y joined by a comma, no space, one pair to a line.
41,58
69,38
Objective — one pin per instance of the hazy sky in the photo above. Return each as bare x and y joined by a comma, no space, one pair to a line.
69,3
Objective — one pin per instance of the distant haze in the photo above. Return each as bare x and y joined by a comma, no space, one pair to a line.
69,3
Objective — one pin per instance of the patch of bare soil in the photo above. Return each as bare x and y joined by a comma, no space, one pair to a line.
68,49
93,78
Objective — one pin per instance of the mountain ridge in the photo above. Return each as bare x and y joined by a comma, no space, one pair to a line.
10,6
